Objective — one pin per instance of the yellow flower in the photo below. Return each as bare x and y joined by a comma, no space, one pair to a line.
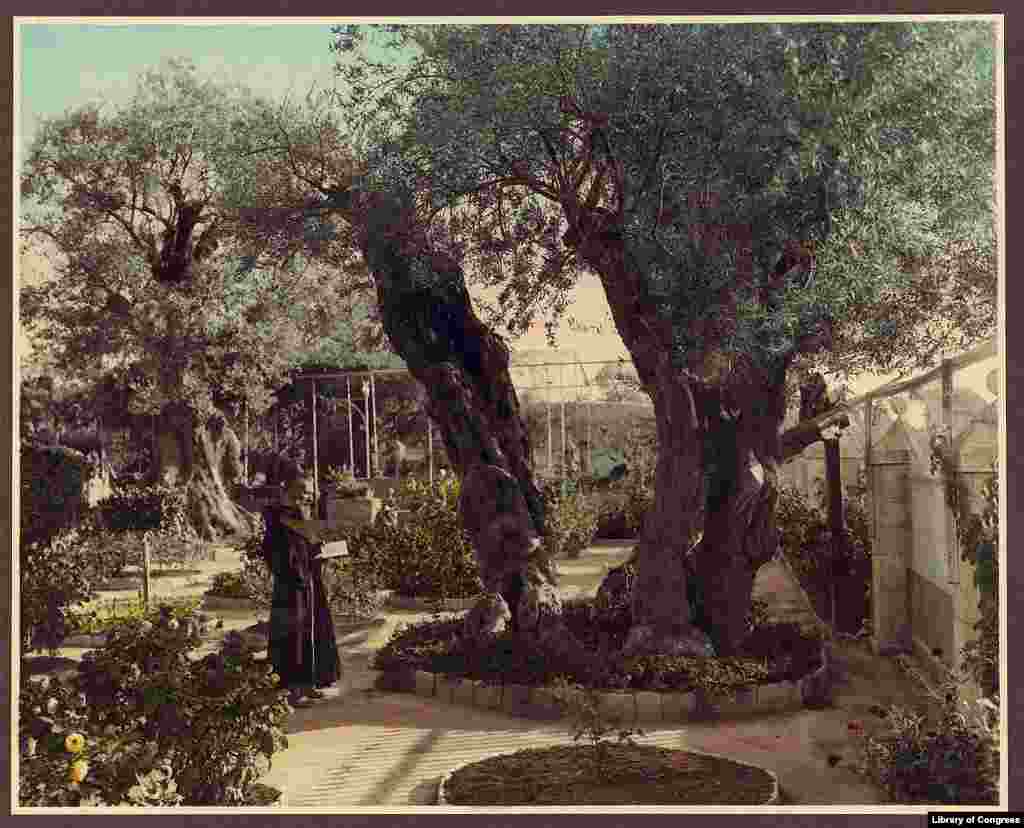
78,770
74,743
274,678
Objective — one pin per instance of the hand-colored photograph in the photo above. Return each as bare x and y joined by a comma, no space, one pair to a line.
474,413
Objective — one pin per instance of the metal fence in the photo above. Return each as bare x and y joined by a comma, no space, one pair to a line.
580,415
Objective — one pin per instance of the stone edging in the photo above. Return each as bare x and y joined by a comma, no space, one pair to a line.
630,706
442,799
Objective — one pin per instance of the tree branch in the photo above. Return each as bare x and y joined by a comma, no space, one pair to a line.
808,432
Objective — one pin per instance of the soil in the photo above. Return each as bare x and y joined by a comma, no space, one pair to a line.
629,775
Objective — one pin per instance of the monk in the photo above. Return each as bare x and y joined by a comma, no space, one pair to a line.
303,647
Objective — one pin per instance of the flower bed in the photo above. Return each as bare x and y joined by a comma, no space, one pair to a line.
632,775
777,657
92,625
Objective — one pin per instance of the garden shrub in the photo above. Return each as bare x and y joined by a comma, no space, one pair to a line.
156,508
803,539
342,483
621,516
151,716
425,554
55,575
229,585
949,754
52,491
255,568
570,520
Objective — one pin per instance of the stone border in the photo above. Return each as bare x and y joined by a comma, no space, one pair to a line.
442,799
632,707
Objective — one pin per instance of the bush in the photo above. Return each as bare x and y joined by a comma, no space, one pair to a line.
978,538
158,727
229,585
949,755
344,484
52,493
55,575
147,508
623,516
425,554
255,569
571,522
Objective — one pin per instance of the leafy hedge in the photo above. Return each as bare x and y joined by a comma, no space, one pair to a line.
143,723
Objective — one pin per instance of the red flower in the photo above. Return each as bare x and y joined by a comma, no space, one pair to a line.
856,726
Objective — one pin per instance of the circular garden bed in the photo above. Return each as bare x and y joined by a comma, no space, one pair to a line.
772,653
626,775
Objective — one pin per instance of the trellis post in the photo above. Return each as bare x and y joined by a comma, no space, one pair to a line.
351,442
316,452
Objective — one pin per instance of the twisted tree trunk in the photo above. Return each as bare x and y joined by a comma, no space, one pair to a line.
719,418
464,367
201,455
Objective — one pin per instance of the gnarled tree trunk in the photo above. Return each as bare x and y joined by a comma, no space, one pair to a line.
741,462
464,367
719,419
202,455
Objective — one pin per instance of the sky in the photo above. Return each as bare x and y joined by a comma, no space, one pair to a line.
277,60
62,66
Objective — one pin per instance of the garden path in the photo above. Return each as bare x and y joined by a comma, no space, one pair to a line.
364,748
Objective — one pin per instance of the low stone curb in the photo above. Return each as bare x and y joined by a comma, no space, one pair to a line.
631,707
442,798
402,602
